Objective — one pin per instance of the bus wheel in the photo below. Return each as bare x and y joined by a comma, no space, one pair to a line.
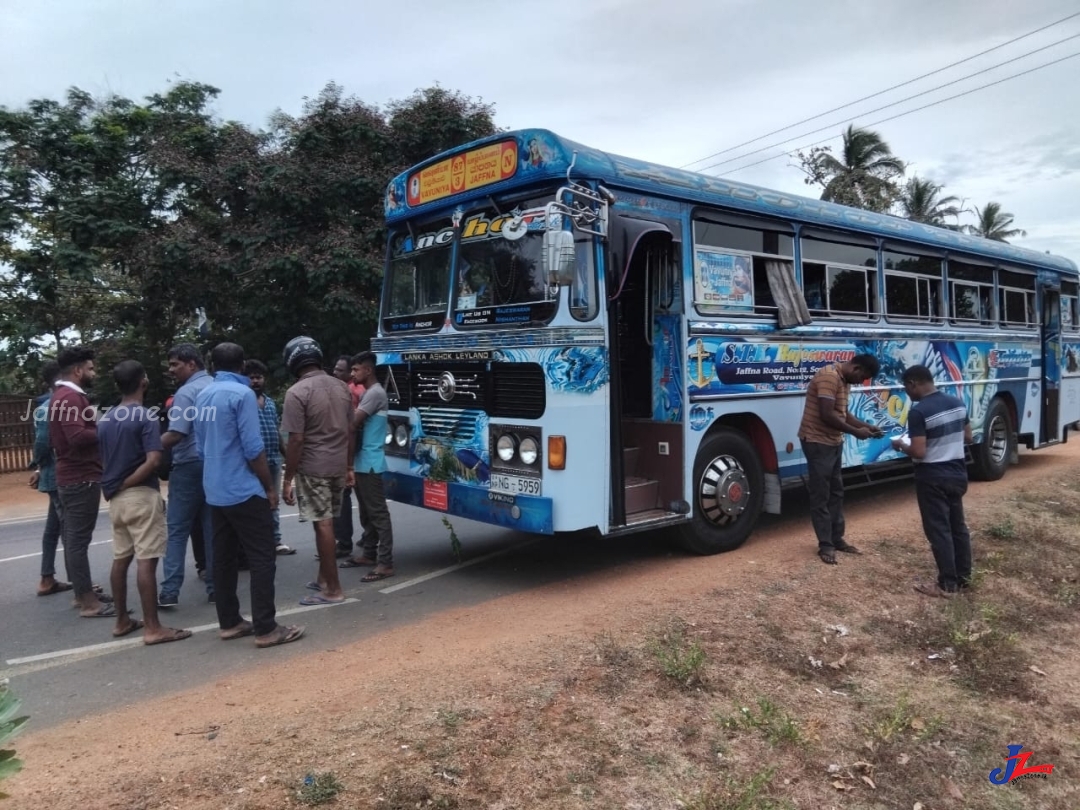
729,488
991,456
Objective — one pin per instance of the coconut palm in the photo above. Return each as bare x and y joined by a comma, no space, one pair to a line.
920,201
866,173
993,223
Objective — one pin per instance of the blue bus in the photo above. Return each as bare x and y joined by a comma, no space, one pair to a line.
573,340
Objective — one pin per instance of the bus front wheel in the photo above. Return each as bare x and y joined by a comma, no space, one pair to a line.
991,456
729,489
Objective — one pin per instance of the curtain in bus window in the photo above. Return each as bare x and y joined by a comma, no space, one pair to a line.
791,306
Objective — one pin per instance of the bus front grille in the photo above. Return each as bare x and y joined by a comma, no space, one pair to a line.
450,424
517,391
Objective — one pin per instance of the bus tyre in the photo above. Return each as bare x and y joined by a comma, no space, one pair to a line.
729,489
991,456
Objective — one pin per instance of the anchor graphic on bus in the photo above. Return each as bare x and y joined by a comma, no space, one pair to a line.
701,378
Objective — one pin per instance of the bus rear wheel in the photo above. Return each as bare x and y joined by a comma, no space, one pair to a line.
729,489
991,456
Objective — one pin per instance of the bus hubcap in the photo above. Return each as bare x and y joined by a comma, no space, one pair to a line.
724,491
998,434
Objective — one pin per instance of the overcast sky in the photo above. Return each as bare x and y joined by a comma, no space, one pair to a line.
664,80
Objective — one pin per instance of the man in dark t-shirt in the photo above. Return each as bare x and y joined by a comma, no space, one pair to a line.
938,429
130,441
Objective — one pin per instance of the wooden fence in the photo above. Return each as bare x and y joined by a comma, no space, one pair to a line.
16,432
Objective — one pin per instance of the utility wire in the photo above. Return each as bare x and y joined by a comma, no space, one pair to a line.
886,90
917,109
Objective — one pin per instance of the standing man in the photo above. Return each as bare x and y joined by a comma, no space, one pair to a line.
938,429
241,496
44,479
130,441
187,502
377,544
825,421
73,435
343,523
255,371
318,414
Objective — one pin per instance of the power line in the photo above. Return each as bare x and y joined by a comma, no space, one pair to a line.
890,104
917,109
886,90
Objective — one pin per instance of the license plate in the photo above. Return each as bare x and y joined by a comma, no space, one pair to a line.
515,485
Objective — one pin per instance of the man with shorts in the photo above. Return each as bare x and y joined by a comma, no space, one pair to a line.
130,442
241,495
318,410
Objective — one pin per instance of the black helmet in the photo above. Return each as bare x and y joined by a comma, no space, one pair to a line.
301,351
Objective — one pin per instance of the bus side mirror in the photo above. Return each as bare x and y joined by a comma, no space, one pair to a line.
559,257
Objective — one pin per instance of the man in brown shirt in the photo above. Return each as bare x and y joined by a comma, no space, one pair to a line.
73,436
318,409
825,421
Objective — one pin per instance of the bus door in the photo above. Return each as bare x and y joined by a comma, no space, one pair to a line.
645,331
1051,364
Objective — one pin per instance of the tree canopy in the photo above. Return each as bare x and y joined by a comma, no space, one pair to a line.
120,220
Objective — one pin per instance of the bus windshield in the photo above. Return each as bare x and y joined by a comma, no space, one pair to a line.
419,273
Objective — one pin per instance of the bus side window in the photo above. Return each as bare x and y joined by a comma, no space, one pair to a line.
971,293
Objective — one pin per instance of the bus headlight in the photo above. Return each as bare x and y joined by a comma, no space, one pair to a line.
401,435
389,435
528,451
505,447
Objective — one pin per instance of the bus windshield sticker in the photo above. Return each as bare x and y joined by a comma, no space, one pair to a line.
724,280
473,169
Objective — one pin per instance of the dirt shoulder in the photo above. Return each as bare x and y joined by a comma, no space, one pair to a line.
760,677
18,500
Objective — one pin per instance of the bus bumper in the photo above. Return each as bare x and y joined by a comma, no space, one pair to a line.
524,513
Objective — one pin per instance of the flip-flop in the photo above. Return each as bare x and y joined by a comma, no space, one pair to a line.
136,624
56,587
178,635
282,635
313,586
283,550
245,628
827,556
363,562
319,599
847,548
106,611
375,576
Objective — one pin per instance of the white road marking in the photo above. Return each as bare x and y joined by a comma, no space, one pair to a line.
121,643
58,550
451,569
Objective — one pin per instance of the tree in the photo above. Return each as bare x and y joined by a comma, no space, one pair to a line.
866,175
993,223
920,201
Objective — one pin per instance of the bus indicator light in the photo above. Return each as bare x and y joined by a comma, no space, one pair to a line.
556,453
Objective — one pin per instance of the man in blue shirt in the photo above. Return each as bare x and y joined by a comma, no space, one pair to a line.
186,499
255,370
938,429
241,495
44,478
130,442
377,544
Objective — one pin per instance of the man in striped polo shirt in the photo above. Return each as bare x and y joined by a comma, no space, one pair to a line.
938,429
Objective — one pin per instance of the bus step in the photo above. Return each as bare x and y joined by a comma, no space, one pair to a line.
630,460
642,494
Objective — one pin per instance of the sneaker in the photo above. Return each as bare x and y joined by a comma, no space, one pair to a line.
168,601
210,598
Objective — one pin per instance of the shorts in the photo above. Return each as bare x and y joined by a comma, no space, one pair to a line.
138,524
319,498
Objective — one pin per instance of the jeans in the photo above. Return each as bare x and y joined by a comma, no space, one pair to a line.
187,505
941,504
51,536
79,504
275,516
825,484
377,542
246,525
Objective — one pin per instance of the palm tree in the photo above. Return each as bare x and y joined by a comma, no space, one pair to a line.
920,202
864,175
993,223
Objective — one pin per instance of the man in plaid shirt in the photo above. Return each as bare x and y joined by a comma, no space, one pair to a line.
255,371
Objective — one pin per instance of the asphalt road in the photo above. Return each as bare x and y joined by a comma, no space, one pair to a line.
65,667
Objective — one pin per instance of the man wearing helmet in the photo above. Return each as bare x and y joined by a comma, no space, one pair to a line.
318,410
